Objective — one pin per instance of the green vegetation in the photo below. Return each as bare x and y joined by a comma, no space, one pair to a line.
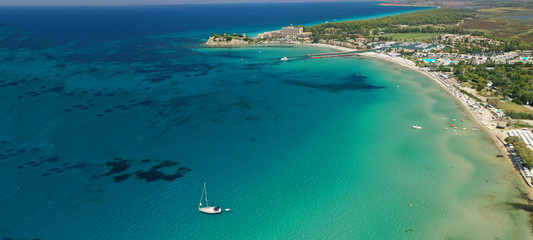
520,125
498,22
440,20
408,37
470,95
231,37
500,10
508,80
511,108
521,150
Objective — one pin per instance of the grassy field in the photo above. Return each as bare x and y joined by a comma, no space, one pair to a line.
501,10
411,36
498,22
520,125
511,106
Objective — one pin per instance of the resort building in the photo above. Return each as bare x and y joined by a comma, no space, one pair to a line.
286,32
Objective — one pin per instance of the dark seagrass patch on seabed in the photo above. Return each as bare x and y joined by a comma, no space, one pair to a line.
118,165
120,169
14,38
53,164
354,82
143,50
162,170
8,151
124,106
155,173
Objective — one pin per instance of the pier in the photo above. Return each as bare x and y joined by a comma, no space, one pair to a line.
336,54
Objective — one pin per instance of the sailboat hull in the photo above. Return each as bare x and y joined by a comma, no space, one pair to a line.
210,210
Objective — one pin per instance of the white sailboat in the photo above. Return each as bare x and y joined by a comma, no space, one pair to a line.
207,209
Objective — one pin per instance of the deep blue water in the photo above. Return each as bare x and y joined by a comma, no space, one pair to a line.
95,25
113,117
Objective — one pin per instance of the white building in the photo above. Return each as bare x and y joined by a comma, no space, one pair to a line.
286,32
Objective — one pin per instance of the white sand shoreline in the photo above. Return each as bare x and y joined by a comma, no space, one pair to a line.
345,49
476,112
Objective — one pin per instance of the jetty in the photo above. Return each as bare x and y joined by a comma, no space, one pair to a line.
337,54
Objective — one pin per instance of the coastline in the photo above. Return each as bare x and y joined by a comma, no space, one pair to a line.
480,115
135,121
476,116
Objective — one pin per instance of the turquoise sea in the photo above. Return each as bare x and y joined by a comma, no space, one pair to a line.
114,117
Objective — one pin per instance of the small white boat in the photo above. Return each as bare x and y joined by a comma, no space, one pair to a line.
284,58
417,127
228,209
207,209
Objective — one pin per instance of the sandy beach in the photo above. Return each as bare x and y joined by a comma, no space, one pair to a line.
478,113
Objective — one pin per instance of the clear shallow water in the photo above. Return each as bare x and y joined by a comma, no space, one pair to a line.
112,138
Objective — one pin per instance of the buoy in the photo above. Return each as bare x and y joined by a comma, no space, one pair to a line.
451,125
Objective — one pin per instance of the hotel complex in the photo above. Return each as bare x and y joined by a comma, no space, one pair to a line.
286,32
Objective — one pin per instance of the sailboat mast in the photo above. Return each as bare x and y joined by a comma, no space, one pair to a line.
206,202
202,196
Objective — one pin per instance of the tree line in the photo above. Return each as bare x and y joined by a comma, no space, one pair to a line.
521,150
511,81
428,21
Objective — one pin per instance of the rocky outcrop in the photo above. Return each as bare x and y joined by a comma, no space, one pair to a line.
227,41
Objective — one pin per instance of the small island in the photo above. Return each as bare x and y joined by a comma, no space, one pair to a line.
226,40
